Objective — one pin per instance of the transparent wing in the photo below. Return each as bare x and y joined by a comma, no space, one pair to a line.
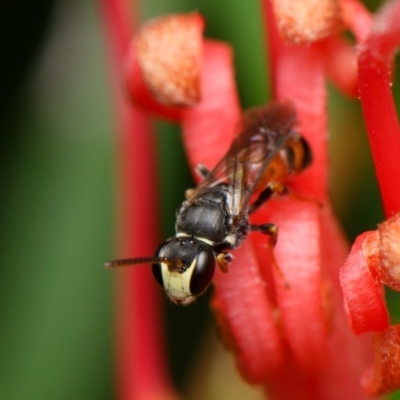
262,133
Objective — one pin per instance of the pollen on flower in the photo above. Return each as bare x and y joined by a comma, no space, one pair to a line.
307,21
384,376
382,252
389,235
169,53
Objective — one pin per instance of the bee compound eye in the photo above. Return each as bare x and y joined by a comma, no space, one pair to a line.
157,266
203,271
157,273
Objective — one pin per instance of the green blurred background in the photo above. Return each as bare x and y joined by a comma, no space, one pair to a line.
57,190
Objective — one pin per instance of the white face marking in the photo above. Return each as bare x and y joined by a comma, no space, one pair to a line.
181,234
230,239
201,239
177,285
206,241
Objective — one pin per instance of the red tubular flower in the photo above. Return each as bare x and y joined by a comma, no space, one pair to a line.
375,62
140,359
285,322
278,331
209,127
364,296
374,257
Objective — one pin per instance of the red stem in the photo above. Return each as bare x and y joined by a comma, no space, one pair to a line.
139,345
375,62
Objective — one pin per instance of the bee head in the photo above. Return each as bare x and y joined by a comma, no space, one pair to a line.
185,268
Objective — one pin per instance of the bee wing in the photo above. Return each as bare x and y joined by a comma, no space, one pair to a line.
263,132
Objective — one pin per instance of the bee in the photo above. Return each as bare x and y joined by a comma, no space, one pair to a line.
214,218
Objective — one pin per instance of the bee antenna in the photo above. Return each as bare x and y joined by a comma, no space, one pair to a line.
172,262
132,261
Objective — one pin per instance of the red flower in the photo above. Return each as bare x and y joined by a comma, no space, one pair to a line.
288,327
140,357
374,258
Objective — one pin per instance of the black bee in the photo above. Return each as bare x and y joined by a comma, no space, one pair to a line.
214,218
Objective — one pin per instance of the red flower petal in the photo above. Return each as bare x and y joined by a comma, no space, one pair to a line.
300,75
357,18
300,78
209,127
341,64
141,370
377,101
298,257
241,300
345,355
363,295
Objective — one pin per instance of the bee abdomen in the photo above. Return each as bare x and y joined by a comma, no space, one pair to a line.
297,154
292,158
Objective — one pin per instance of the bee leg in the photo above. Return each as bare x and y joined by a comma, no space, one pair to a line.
188,193
268,229
202,170
223,259
272,231
266,194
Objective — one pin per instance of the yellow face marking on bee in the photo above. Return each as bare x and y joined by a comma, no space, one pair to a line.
177,283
